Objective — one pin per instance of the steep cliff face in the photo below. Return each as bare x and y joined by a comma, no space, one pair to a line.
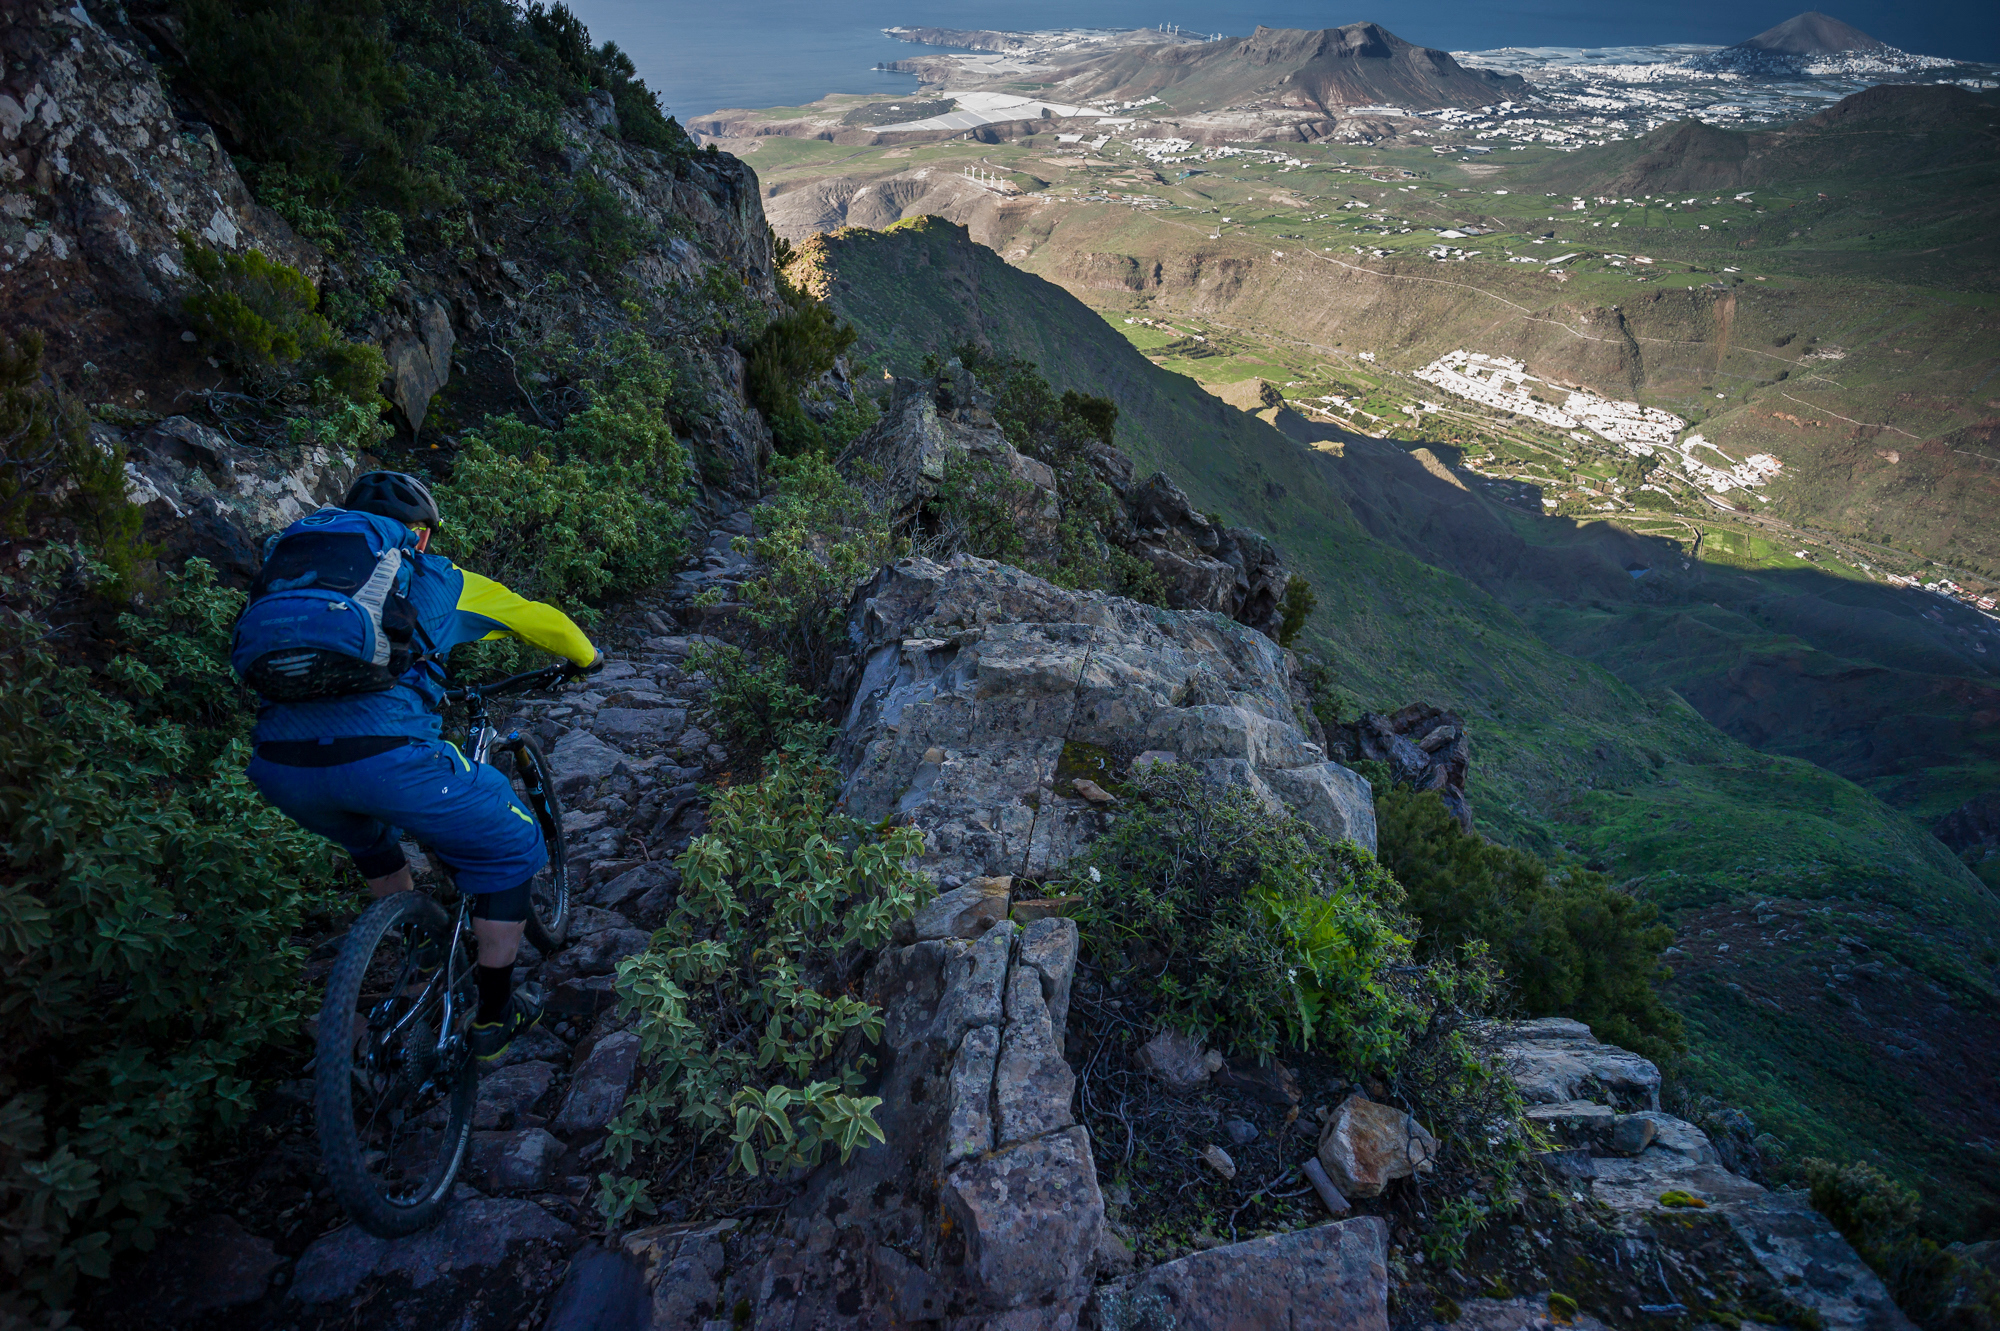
105,176
100,175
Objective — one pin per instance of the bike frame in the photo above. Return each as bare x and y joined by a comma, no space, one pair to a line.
480,738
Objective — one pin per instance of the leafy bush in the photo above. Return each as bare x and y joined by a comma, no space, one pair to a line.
1571,944
146,918
817,539
311,84
759,707
1295,609
594,506
1247,930
1937,1287
743,999
977,509
1323,686
791,353
48,465
262,316
602,234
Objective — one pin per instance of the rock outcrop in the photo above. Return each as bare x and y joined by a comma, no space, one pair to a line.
204,495
1424,746
981,693
932,426
1330,1277
1642,1162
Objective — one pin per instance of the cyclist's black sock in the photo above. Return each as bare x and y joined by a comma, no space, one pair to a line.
496,986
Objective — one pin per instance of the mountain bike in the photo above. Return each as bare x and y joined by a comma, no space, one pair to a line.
395,1080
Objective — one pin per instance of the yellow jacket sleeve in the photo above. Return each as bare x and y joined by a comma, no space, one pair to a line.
488,610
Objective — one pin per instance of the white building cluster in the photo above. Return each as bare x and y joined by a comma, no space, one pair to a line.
1750,474
1505,384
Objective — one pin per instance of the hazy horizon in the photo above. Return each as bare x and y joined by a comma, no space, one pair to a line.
785,52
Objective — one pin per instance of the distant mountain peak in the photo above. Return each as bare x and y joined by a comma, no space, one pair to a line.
1812,43
1813,33
1312,70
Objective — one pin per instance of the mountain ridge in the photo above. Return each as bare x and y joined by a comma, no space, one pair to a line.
1360,64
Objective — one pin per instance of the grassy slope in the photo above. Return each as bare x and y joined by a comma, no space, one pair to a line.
1567,759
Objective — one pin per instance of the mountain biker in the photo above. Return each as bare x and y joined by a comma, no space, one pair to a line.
358,767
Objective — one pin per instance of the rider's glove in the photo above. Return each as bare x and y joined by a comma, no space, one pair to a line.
596,665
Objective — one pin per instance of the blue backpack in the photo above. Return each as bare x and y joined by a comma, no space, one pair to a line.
329,614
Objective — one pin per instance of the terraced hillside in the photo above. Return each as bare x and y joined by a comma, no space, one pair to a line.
1740,847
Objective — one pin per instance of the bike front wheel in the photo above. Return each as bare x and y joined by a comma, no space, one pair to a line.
394,1084
549,892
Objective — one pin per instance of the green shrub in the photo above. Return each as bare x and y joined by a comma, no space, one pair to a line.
146,919
395,101
262,317
1295,609
818,540
1323,686
977,509
50,468
1247,930
1060,430
602,233
759,707
791,353
309,84
744,1000
1937,1287
1571,944
595,506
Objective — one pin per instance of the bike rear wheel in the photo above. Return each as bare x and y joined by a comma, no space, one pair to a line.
394,1087
549,891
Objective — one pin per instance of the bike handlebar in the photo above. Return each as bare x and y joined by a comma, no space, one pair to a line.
533,679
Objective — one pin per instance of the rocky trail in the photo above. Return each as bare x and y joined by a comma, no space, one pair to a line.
990,1207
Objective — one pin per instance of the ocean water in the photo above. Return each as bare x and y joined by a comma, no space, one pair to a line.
756,53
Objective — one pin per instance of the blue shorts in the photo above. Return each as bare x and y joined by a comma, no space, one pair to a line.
466,814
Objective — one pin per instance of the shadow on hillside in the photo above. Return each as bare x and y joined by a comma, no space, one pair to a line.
1880,684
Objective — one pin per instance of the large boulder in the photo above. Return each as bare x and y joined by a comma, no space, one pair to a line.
1645,1163
1031,1215
202,495
477,1234
981,688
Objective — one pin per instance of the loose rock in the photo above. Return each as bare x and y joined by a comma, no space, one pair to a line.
1031,1216
1365,1146
475,1233
598,1091
523,1161
509,1092
964,912
210,1265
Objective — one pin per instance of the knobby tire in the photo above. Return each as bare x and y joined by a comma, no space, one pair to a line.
341,1025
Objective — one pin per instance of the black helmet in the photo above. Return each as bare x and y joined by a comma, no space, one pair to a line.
393,494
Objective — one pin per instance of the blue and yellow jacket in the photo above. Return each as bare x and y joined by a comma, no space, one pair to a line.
452,606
